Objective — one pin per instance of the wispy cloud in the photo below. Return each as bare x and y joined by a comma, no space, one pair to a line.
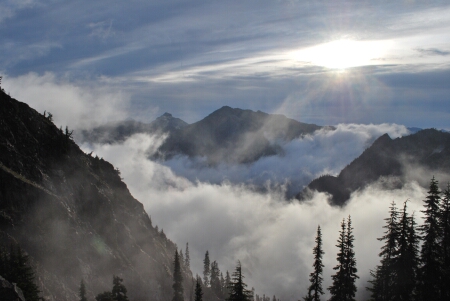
19,52
102,30
433,51
9,7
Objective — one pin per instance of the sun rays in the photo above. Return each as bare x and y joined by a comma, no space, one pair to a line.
343,54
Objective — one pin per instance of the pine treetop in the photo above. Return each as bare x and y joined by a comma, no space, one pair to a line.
315,277
238,289
82,291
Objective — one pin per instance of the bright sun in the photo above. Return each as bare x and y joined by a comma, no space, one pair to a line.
342,54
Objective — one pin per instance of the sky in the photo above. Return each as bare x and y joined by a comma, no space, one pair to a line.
366,67
323,62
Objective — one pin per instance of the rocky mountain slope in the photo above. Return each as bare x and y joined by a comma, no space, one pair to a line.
386,158
234,135
73,215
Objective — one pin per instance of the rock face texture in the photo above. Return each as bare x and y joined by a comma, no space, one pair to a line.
73,215
427,150
9,291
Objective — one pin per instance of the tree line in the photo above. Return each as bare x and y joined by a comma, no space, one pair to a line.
230,288
414,260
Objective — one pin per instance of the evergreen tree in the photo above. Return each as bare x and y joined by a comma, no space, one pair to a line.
308,297
82,291
187,259
206,270
350,263
445,226
222,283
406,259
119,291
315,277
238,289
337,288
178,292
181,257
383,276
105,296
413,253
198,290
226,287
215,280
431,255
343,287
376,288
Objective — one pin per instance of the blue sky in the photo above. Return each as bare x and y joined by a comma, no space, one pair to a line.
323,62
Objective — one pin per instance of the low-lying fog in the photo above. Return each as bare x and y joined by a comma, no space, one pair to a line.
273,237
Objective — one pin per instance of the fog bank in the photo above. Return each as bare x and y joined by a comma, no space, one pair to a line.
272,237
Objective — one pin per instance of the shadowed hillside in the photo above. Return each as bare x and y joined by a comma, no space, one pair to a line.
73,215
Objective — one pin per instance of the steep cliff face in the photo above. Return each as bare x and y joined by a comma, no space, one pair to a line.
73,215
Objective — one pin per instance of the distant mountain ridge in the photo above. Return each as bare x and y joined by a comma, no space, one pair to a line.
234,135
228,135
386,157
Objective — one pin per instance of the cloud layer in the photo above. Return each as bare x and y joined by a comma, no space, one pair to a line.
272,237
304,159
77,106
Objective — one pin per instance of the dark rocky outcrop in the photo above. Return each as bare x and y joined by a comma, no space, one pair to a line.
9,291
428,149
73,215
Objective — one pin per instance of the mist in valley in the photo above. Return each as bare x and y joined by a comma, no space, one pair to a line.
271,235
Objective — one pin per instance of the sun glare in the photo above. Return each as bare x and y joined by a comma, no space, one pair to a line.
342,54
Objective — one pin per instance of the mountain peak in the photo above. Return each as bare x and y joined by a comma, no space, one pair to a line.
382,141
220,136
225,110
